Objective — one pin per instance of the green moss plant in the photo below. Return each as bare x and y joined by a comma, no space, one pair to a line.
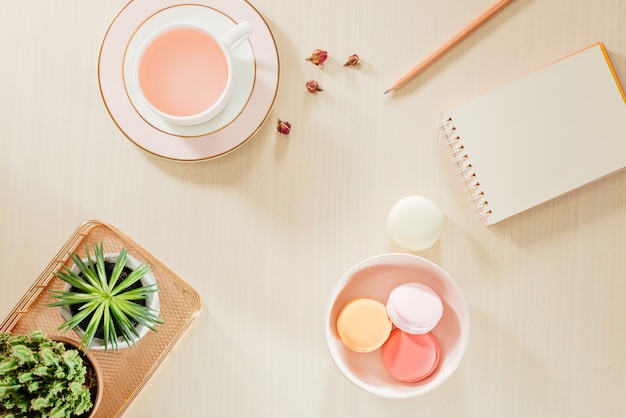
39,377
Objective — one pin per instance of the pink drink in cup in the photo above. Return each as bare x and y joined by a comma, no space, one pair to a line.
185,73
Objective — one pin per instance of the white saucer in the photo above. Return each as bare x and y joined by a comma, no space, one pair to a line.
215,22
217,138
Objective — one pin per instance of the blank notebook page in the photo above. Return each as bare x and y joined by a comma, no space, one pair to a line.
540,136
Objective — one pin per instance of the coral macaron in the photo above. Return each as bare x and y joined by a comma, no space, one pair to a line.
410,357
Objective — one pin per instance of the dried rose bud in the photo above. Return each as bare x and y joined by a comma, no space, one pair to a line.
312,86
352,60
283,127
318,56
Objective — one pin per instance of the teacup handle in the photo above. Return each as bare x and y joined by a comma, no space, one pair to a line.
237,35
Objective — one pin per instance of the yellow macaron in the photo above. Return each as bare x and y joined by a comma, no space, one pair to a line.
363,325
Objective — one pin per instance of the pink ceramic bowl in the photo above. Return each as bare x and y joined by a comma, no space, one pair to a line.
375,278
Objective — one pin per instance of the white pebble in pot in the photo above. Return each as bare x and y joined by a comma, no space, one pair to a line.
415,223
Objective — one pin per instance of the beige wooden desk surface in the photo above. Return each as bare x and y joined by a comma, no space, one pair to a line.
264,233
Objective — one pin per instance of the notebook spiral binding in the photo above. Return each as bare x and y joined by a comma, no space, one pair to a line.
466,171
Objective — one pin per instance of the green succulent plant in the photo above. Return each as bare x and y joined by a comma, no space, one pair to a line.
39,377
106,296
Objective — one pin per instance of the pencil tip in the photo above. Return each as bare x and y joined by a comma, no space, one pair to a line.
387,91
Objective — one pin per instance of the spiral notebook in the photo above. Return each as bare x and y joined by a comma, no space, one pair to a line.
539,136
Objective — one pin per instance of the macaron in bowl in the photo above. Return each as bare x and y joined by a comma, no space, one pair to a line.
410,357
363,325
414,307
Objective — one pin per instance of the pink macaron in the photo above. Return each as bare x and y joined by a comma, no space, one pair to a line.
410,357
414,308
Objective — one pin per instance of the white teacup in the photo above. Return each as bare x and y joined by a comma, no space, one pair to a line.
185,73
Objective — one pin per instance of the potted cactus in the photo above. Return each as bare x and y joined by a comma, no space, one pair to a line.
110,300
41,377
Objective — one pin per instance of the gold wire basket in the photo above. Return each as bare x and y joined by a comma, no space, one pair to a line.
126,371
